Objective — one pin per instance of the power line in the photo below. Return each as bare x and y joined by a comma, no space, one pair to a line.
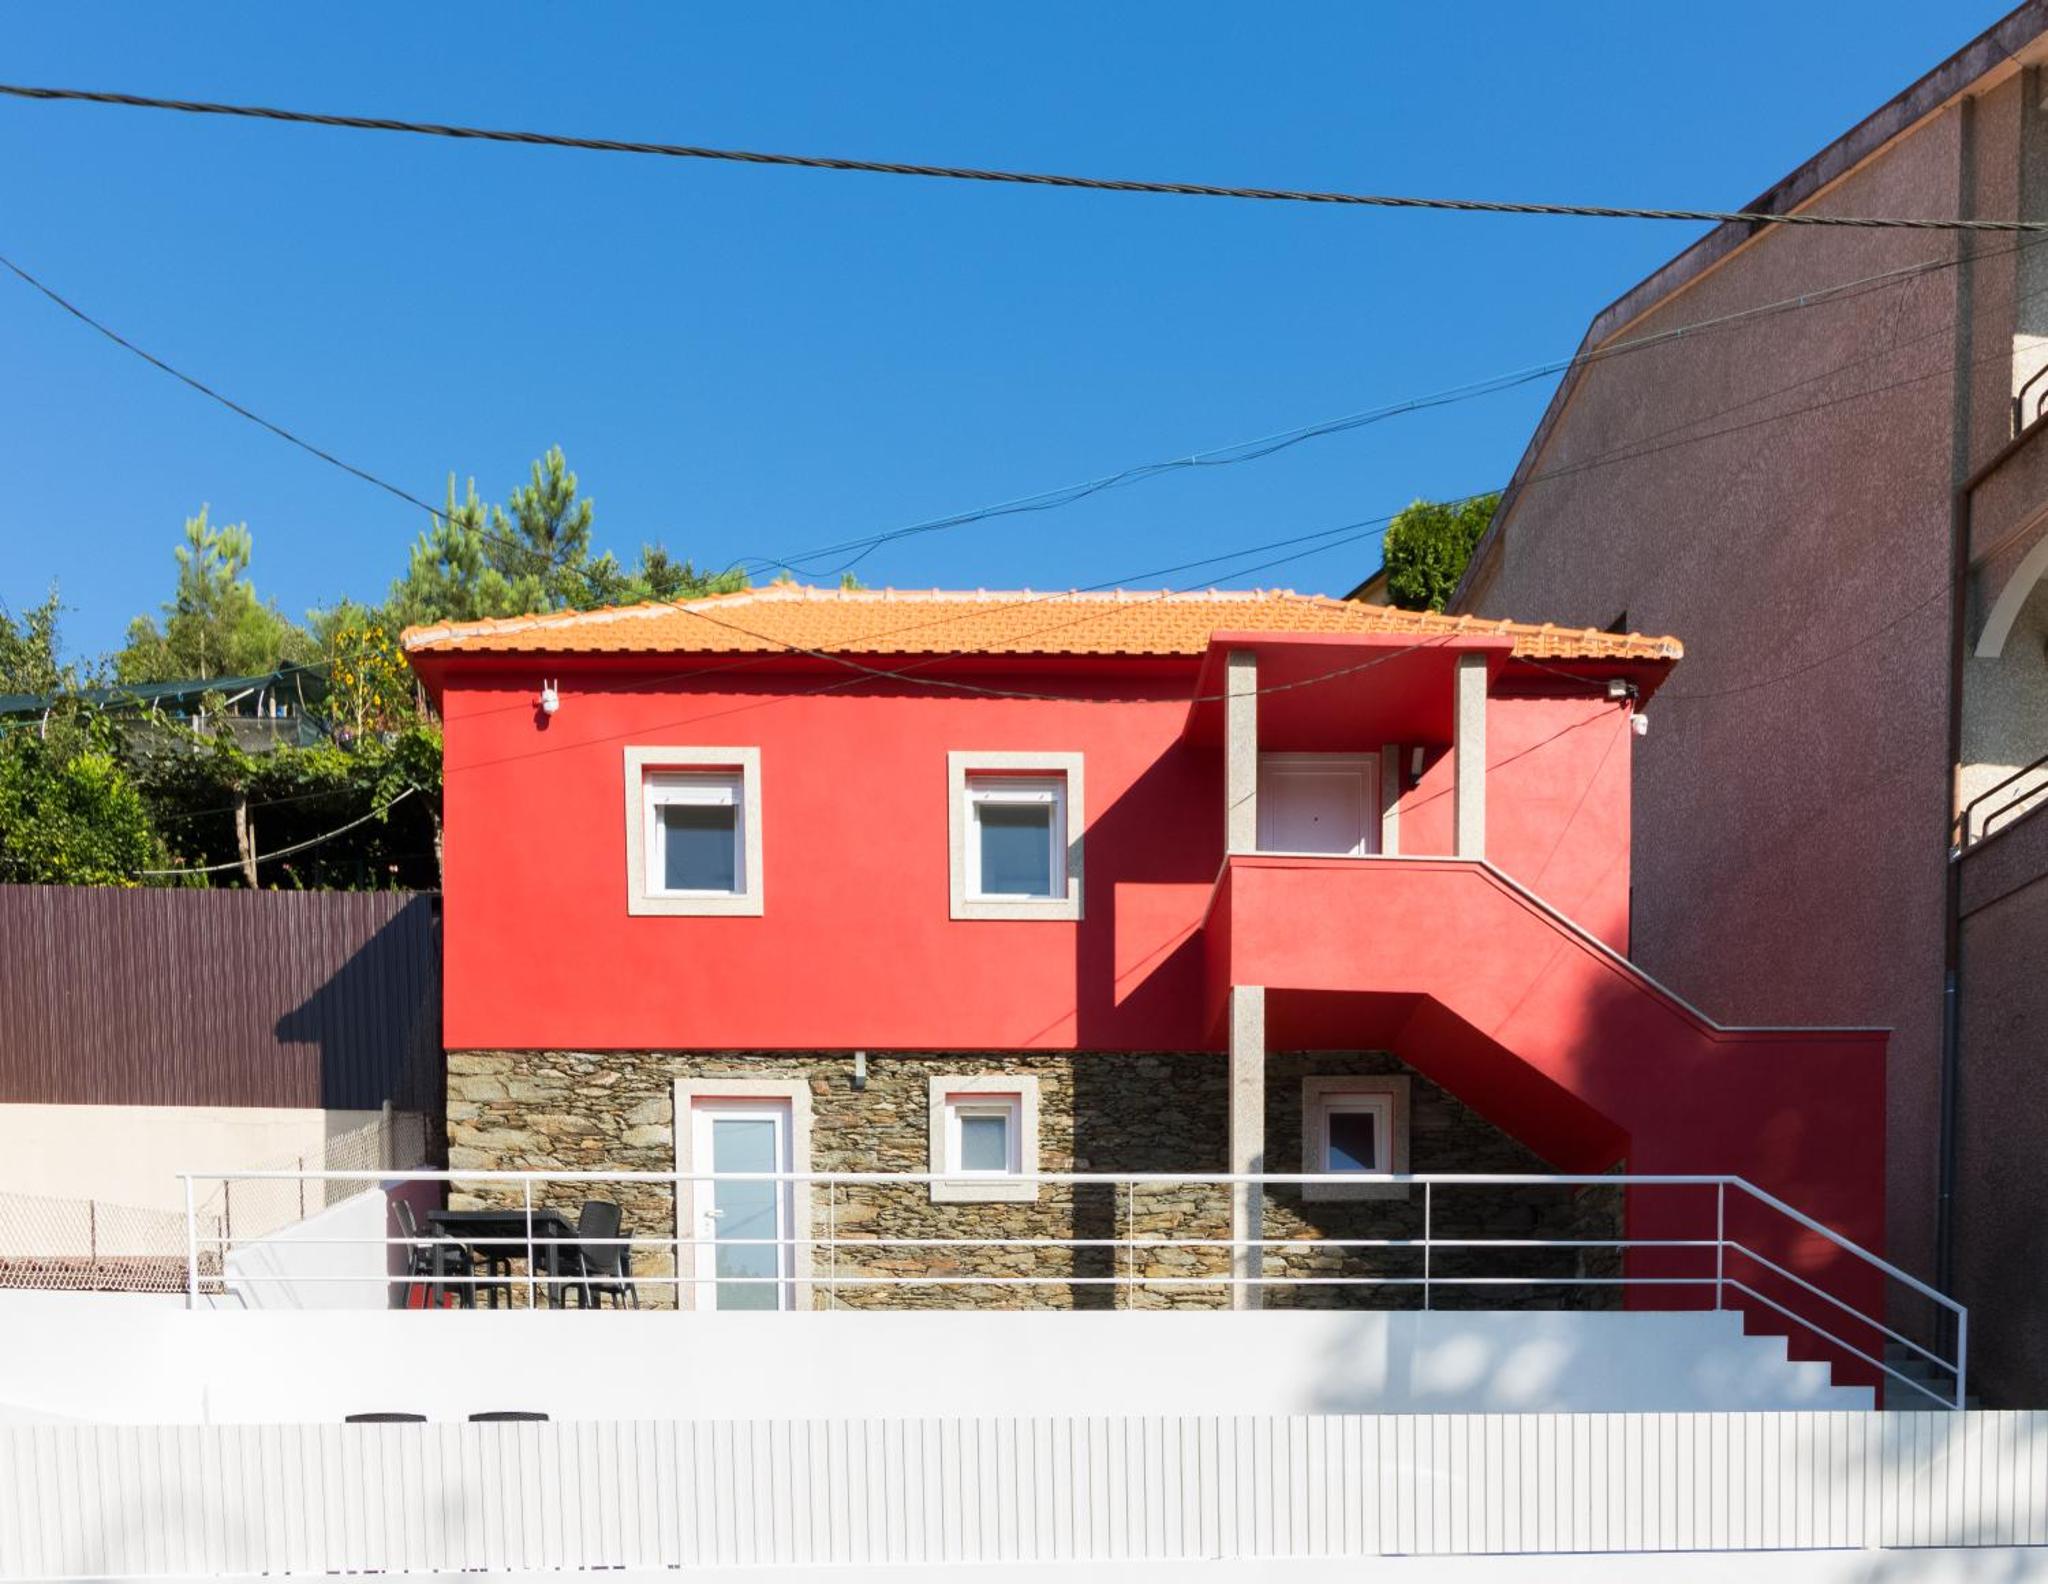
1003,177
804,562
211,394
285,852
548,562
1242,451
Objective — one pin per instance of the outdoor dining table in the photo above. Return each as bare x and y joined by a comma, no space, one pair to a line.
497,1237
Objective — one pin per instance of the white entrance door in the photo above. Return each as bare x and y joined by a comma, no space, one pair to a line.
742,1260
1319,803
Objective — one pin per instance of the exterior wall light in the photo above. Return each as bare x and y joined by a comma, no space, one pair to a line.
1640,725
550,699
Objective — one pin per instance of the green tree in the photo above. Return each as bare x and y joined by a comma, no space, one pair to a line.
28,650
660,576
532,554
1426,548
450,575
214,625
70,813
547,531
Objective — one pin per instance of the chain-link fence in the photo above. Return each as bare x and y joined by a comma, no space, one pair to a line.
89,1245
82,1245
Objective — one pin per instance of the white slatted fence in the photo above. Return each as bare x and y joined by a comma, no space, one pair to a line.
87,1501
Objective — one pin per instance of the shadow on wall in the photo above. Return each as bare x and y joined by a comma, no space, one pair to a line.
1152,856
376,1024
1988,1566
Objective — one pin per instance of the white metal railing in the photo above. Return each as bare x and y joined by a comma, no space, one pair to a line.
1733,1273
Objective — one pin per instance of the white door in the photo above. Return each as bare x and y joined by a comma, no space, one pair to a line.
1319,803
743,1258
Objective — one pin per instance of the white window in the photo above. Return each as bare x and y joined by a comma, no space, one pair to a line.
1356,1134
984,1138
983,1135
1016,837
696,833
693,830
1015,831
1355,1128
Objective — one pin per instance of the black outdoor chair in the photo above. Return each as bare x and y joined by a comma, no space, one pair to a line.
429,1260
598,1265
384,1418
508,1416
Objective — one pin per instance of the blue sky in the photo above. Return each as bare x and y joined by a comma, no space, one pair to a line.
752,362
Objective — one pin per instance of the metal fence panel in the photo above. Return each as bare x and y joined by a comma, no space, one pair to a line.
208,998
310,1499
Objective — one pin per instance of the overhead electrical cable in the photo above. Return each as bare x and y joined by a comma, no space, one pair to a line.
1014,178
1242,451
211,394
285,852
807,562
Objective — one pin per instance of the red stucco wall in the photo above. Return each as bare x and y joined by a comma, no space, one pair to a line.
856,946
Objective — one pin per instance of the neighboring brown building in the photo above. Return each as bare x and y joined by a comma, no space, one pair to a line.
1848,434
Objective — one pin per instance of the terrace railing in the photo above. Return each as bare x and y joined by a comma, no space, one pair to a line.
1716,1242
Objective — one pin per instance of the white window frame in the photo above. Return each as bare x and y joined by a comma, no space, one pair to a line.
645,766
1384,1097
1015,777
1016,1093
1033,792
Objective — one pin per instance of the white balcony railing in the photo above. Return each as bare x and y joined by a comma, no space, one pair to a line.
1735,1247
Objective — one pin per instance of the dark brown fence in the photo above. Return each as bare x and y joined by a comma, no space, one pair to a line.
256,998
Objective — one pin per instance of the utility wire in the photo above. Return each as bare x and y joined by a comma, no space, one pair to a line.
233,406
1242,451
805,562
1003,177
285,852
211,394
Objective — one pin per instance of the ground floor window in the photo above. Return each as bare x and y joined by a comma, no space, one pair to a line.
1355,1127
984,1137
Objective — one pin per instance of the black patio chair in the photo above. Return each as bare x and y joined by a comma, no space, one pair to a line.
599,1265
508,1416
427,1260
384,1418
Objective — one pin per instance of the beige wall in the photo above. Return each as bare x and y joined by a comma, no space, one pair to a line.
131,1155
1777,493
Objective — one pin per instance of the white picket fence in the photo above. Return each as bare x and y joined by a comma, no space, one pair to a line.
84,1501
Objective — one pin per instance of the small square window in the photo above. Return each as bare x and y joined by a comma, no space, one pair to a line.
984,1138
696,847
982,1135
1018,837
1354,1127
1015,831
1355,1133
693,830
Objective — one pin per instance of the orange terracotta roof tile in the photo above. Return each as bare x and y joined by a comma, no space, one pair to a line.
787,617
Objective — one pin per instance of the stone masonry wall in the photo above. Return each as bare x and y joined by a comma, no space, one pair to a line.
1098,1112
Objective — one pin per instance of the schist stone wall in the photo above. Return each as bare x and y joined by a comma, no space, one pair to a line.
1098,1112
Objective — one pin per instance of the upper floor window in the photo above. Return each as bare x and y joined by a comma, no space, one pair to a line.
693,830
697,836
1015,825
1017,837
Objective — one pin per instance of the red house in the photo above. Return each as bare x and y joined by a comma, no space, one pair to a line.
987,886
